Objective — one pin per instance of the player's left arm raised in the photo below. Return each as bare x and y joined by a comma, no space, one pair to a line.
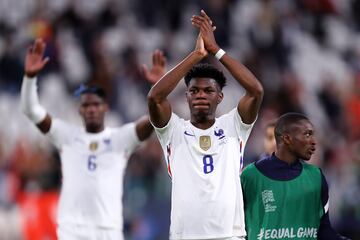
143,126
249,104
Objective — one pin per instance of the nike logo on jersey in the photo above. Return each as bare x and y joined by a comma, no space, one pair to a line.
189,134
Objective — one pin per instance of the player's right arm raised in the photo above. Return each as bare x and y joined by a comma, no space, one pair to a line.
159,106
34,63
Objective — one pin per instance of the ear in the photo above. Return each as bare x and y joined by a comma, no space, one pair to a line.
286,139
220,97
187,95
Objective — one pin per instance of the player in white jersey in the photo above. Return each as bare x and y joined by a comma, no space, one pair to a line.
93,157
204,154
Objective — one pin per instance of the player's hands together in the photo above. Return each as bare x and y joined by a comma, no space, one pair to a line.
158,68
200,47
204,23
34,60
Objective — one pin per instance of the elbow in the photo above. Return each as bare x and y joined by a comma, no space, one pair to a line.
25,109
258,91
154,98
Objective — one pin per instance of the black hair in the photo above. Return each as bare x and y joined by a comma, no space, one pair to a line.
285,121
205,70
91,88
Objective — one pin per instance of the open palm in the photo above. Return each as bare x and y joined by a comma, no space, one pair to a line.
34,60
200,47
158,68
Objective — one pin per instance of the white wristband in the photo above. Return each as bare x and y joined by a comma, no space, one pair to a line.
219,54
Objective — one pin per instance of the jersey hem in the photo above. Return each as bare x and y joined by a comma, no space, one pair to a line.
193,237
87,224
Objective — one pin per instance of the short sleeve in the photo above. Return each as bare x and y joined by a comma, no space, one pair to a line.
234,122
125,138
165,134
60,132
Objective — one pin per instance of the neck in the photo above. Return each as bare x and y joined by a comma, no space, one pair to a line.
92,129
202,122
285,156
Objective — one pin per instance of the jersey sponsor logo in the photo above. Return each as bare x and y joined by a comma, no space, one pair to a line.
288,233
268,200
205,142
189,134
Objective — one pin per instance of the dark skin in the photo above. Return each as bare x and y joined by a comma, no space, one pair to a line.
92,107
298,142
203,96
249,104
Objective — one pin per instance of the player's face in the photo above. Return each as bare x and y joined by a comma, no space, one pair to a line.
303,142
93,109
203,96
269,141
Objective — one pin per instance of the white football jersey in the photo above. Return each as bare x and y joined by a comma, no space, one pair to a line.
204,166
93,166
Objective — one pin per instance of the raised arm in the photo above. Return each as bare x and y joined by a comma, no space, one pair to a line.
249,104
159,106
34,63
143,126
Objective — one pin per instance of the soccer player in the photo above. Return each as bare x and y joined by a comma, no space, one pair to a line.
204,154
93,157
284,197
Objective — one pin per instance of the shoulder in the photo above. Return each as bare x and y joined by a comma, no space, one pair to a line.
314,172
248,170
233,113
234,119
310,167
60,127
125,131
174,122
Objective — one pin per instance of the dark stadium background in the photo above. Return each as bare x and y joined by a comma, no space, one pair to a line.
306,53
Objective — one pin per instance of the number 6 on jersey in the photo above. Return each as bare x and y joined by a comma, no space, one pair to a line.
91,163
208,164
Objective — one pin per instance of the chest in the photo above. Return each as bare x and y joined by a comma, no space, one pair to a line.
300,193
92,155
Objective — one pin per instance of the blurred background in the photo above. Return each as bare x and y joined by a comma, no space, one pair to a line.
306,53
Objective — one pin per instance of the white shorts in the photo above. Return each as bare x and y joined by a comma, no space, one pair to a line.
80,232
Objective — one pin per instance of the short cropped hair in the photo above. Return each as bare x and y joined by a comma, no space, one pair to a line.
205,70
91,88
284,123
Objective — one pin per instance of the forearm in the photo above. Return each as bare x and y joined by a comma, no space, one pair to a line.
30,101
159,106
169,81
144,128
243,76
